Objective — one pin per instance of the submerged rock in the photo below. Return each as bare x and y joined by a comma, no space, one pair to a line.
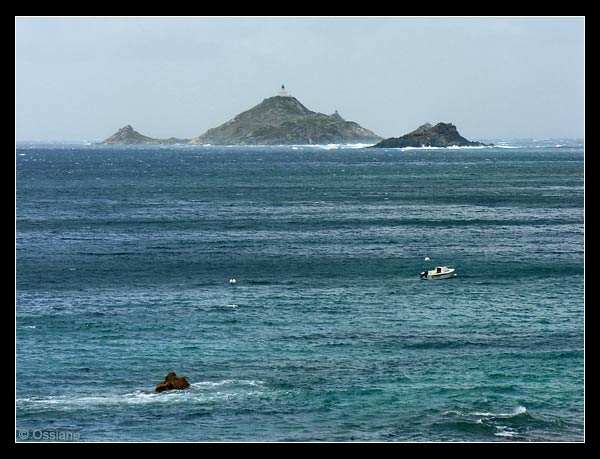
172,381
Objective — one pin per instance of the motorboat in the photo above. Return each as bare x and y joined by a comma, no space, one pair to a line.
440,272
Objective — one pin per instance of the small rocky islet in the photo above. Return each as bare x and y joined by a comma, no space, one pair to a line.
427,135
129,136
172,382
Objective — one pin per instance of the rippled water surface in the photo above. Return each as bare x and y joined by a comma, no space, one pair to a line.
124,256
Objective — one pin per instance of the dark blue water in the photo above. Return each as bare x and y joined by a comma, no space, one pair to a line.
123,257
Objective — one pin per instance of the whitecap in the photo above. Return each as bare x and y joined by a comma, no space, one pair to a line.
337,146
503,431
516,412
227,382
199,392
487,414
420,148
469,147
451,147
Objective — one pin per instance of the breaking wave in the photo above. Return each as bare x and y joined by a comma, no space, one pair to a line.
199,392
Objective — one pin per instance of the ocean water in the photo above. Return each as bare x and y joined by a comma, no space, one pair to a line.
123,257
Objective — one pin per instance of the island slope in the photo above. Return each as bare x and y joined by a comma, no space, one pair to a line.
283,120
129,136
426,135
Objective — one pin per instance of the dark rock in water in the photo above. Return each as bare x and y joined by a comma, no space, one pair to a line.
172,381
440,135
128,136
283,120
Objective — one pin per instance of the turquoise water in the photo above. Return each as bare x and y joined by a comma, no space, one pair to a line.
123,256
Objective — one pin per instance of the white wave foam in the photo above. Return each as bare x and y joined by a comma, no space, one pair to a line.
503,431
456,147
520,410
227,382
336,146
199,392
451,147
420,148
517,411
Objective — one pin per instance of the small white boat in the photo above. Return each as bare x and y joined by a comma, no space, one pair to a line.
440,272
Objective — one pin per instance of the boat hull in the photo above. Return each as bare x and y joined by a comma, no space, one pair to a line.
441,276
447,273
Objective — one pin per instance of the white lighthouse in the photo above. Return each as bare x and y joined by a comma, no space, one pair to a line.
283,92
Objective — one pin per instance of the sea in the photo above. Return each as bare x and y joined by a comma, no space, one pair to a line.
124,256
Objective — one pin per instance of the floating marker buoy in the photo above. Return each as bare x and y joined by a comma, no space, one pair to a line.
427,258
232,282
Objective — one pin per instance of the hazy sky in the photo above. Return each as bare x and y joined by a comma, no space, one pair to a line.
83,78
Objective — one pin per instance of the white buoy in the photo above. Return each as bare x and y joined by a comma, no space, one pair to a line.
427,258
232,282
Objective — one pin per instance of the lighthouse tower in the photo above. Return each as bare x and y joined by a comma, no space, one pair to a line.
283,92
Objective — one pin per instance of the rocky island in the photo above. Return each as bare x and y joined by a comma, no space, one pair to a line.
128,136
440,135
283,120
277,120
